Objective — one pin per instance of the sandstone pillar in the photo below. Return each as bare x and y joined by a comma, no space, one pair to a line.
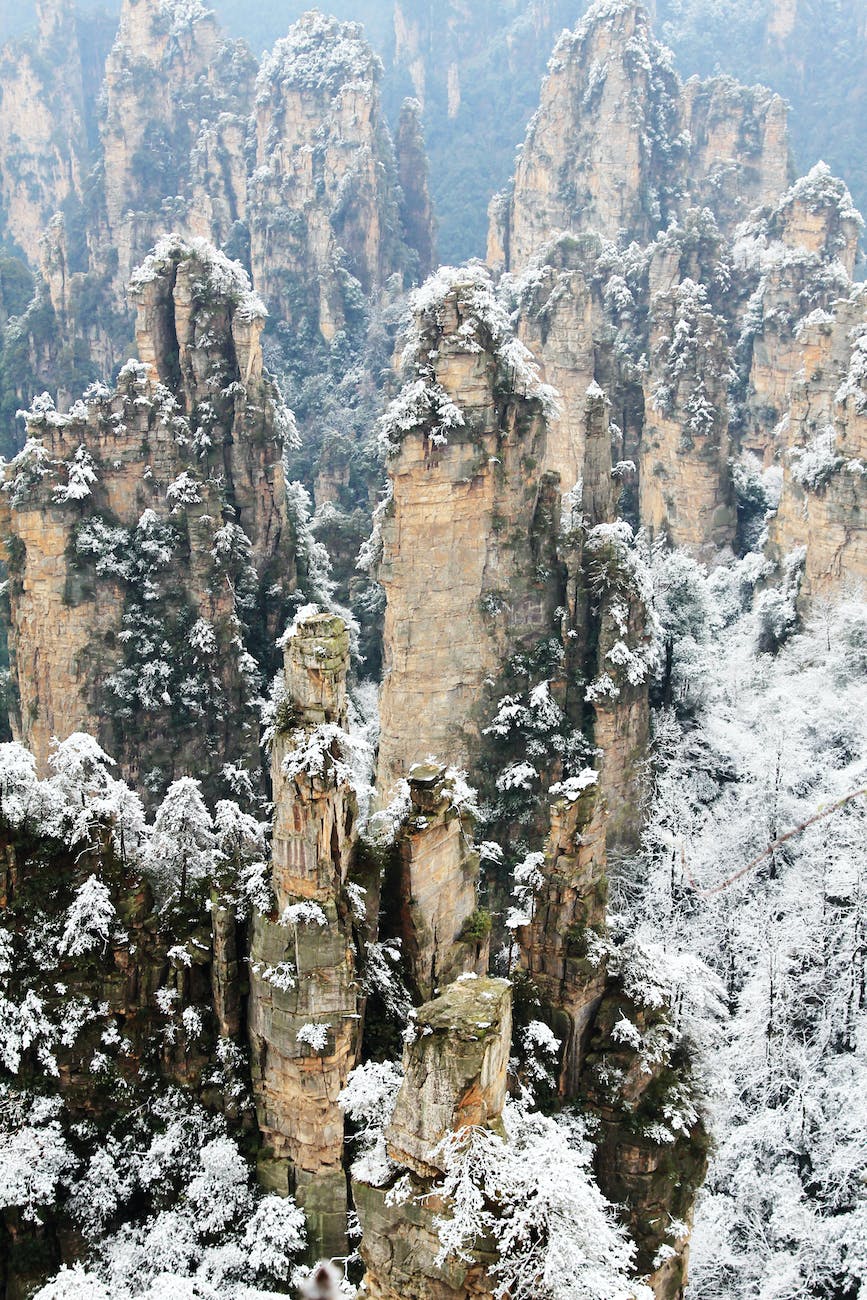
304,1002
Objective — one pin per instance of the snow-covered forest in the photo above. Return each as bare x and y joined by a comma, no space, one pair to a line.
753,862
433,697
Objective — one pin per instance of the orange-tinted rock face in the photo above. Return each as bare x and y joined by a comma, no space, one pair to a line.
139,527
304,1020
824,496
439,874
463,586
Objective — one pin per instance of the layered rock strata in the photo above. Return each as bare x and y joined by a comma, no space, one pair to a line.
305,1002
467,534
454,1076
141,530
442,934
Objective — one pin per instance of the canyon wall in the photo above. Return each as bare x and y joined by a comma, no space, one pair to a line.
142,528
467,531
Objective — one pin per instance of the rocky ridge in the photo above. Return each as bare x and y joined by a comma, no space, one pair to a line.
689,271
314,208
142,529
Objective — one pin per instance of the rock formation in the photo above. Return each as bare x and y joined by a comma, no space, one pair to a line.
177,100
323,196
646,148
454,1076
685,491
800,255
463,587
141,528
439,872
304,998
568,912
824,493
416,209
318,207
693,329
45,150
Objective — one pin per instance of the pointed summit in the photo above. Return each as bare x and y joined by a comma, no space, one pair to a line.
620,149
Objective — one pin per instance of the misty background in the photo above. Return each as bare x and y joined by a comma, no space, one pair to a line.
813,52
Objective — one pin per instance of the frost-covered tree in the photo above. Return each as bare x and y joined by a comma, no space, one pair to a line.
88,920
534,1196
752,865
183,842
240,856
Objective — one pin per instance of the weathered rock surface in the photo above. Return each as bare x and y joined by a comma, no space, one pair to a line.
44,148
177,99
304,1016
467,534
689,271
455,1076
823,506
800,255
455,1071
140,528
317,205
323,195
569,911
619,147
685,490
439,872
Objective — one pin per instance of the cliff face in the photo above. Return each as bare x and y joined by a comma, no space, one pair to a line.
685,492
43,138
289,167
467,64
323,153
177,99
142,528
822,506
800,255
416,209
305,1003
439,876
690,271
464,447
454,1077
549,698
646,148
